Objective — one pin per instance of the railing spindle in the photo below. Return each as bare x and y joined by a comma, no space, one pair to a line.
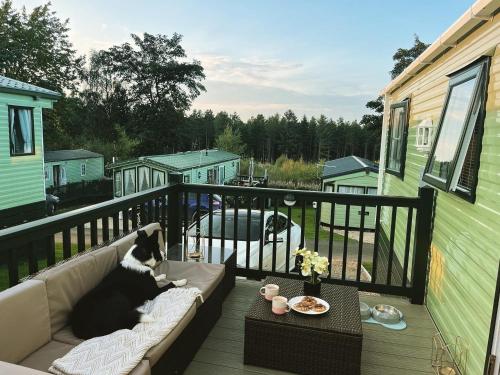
66,237
303,224
185,214
32,259
249,222
235,223
346,240
134,216
163,216
93,233
262,233
330,239
376,245
316,226
50,247
80,236
360,249
105,228
13,267
223,224
391,245
116,225
198,216
150,211
288,239
275,232
210,219
125,221
407,246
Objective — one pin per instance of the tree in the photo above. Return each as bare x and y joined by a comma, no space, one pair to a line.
405,56
156,72
35,48
230,141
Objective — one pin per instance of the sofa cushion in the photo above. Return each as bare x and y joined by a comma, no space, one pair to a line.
124,244
106,260
66,336
42,358
66,284
203,276
156,352
12,369
142,368
24,320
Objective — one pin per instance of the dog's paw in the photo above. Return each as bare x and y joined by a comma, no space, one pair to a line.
146,318
180,282
160,277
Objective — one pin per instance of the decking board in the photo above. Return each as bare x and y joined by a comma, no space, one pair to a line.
384,351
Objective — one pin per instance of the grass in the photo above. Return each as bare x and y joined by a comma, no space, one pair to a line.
23,265
310,221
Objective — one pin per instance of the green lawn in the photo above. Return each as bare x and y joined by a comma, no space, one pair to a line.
23,265
310,223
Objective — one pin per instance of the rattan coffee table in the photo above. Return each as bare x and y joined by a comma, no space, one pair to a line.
326,344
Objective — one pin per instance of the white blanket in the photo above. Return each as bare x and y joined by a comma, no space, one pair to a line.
119,352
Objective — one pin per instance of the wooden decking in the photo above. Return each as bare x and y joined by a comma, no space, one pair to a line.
384,351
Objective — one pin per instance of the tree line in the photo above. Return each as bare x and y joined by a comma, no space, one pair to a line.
135,98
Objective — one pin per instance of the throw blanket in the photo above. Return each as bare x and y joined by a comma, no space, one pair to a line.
119,352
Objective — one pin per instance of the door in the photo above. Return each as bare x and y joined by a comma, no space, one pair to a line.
222,170
56,175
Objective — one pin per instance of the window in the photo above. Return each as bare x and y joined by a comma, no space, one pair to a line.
129,181
398,132
371,190
425,132
158,178
143,174
328,188
351,189
187,179
453,161
83,169
21,131
210,176
118,184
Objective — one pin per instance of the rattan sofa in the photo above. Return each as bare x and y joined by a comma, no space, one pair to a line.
34,314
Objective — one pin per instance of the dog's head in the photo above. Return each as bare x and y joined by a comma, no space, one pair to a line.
147,249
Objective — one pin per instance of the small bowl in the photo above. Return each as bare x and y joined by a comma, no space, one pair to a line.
365,311
386,314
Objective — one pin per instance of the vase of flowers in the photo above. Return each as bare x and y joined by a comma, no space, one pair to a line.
311,266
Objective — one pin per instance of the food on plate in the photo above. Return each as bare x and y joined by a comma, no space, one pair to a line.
309,303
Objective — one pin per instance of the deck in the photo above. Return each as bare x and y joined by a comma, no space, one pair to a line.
384,351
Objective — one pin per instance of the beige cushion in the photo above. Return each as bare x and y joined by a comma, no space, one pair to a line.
124,244
106,260
11,369
66,284
142,368
156,352
66,336
42,358
24,320
203,276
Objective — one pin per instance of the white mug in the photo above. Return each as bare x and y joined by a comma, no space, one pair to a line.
269,291
280,305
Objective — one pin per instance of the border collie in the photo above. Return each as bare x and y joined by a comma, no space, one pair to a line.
112,305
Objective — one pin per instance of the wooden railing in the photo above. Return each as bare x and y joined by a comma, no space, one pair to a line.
379,264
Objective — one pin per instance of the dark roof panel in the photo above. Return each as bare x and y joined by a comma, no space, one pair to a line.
23,88
346,165
60,155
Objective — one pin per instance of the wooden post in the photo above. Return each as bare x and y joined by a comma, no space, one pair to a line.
423,235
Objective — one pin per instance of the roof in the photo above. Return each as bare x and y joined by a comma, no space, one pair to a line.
17,87
348,165
480,12
183,160
60,155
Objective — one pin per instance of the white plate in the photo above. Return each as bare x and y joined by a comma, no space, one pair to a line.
297,299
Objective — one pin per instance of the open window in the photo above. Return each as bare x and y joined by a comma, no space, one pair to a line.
397,137
21,131
454,159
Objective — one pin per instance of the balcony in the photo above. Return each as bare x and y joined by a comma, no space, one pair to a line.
396,266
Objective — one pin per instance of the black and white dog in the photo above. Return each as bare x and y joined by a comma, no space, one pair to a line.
112,305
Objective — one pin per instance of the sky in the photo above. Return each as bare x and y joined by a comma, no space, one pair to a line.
267,56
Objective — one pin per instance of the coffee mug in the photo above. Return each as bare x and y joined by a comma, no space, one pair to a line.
269,291
280,305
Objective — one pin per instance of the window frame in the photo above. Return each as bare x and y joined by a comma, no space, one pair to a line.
124,182
404,138
118,173
32,109
479,69
83,169
159,172
350,186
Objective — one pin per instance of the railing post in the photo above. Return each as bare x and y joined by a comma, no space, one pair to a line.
422,241
174,234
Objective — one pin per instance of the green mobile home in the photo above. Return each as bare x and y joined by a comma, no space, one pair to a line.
22,187
200,167
441,129
349,175
72,166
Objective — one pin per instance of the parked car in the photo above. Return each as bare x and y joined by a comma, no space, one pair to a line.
51,202
254,236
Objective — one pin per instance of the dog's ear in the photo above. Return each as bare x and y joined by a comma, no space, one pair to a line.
142,234
154,236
